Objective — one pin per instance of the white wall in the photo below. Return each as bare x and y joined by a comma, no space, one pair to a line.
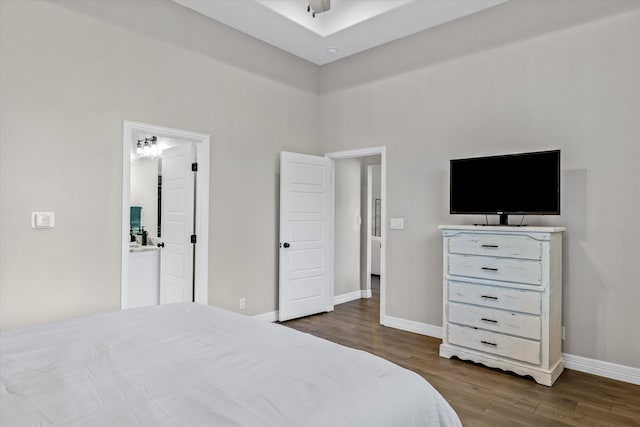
347,229
70,73
577,90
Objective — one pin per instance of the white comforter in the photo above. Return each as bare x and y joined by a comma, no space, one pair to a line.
192,365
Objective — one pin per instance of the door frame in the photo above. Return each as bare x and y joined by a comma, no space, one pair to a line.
365,152
203,143
370,221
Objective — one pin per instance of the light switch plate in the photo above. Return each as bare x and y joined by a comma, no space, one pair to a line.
43,219
397,223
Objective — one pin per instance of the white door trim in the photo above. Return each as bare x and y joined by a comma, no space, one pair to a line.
369,226
203,141
364,152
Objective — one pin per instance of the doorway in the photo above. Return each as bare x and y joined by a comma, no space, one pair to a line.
373,199
196,217
307,232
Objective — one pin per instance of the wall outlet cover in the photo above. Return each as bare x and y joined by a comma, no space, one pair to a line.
43,219
397,223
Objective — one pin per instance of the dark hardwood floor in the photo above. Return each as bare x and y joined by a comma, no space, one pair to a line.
481,396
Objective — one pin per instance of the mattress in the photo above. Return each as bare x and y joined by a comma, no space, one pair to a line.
194,365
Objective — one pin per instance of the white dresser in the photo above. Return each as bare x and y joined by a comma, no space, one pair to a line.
502,298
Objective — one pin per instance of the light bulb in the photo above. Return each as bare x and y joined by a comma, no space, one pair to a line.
155,149
146,150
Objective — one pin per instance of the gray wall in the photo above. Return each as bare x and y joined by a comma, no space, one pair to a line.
376,193
577,90
70,73
347,229
367,225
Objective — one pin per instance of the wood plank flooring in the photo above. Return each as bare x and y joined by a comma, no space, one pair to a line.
481,396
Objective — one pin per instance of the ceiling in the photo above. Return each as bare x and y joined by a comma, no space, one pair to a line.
349,27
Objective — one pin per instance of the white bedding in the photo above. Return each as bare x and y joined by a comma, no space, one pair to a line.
192,365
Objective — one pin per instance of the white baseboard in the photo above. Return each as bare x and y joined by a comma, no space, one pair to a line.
413,326
351,296
601,368
271,316
577,363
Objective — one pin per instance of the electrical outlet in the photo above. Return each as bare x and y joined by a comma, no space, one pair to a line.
563,333
243,303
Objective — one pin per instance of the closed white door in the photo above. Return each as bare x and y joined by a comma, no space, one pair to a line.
306,245
176,259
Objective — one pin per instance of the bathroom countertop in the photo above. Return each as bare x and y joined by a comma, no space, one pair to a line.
139,248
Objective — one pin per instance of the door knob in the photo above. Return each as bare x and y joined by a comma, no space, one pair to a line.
286,245
161,245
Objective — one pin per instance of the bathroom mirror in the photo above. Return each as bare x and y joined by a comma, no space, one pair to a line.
146,187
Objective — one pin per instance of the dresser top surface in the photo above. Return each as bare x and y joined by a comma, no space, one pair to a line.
502,228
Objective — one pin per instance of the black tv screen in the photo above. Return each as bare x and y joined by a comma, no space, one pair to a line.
519,184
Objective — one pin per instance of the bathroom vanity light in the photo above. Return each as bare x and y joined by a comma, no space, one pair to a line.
148,148
318,6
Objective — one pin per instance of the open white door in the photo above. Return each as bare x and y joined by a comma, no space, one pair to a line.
176,259
306,245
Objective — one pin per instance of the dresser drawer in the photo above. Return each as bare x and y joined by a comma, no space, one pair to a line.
523,247
503,269
506,322
495,296
490,342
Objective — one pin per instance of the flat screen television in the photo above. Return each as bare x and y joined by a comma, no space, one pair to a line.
513,184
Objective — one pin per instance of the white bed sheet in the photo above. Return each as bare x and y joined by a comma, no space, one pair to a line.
193,365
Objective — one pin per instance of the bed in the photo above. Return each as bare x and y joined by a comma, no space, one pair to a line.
194,365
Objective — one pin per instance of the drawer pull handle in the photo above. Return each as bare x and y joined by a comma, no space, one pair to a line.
489,268
489,320
488,297
489,343
490,246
